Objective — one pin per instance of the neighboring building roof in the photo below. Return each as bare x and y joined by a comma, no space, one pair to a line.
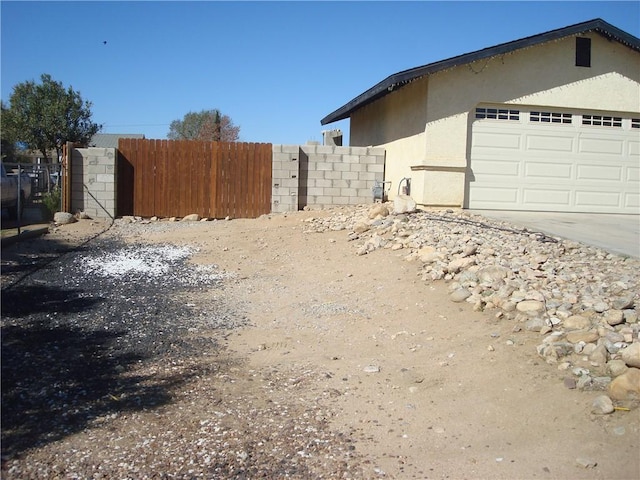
398,80
110,140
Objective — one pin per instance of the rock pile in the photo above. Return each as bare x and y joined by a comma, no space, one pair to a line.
583,301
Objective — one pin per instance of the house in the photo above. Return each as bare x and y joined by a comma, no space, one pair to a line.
549,122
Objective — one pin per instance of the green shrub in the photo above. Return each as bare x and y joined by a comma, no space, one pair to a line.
52,199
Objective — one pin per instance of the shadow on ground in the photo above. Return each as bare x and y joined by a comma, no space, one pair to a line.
57,379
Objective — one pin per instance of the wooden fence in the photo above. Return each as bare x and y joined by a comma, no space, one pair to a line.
174,178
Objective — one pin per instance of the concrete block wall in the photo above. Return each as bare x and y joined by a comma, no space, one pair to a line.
327,175
93,181
285,178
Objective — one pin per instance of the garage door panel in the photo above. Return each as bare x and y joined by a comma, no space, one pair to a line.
548,143
601,146
497,141
546,196
551,171
599,172
566,166
497,167
498,193
495,194
632,201
591,199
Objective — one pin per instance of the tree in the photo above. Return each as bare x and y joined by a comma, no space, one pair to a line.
7,145
207,125
45,116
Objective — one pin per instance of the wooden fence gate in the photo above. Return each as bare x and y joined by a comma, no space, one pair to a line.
174,178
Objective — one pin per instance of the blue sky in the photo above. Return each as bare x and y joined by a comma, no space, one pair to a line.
276,68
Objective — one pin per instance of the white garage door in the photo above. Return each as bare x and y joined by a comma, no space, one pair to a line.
547,160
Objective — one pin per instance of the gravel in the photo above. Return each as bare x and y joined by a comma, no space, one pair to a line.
114,366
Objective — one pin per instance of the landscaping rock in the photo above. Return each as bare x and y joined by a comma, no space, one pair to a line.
64,218
460,295
404,204
616,367
626,386
577,322
530,307
614,317
378,210
602,405
586,336
622,303
631,355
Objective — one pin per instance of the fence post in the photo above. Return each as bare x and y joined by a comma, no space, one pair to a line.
65,176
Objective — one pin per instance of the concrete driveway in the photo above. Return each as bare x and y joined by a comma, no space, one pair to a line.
618,234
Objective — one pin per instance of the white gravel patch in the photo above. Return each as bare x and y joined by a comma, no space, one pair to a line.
149,260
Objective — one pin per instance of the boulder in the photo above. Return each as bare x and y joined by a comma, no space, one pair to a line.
624,302
492,273
458,264
626,386
614,317
404,204
194,217
530,307
631,355
378,210
360,227
602,405
460,295
616,367
577,322
599,356
429,254
64,218
586,336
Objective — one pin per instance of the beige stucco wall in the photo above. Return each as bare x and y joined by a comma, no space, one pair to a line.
426,126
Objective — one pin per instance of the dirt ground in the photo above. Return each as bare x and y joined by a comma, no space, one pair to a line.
423,387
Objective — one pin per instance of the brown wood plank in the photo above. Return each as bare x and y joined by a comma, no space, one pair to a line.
201,180
182,201
139,174
251,181
206,180
163,184
237,179
267,165
213,178
191,189
223,180
124,181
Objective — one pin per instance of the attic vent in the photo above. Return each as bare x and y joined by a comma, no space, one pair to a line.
583,52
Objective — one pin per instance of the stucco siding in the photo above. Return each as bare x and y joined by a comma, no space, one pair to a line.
405,152
401,114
